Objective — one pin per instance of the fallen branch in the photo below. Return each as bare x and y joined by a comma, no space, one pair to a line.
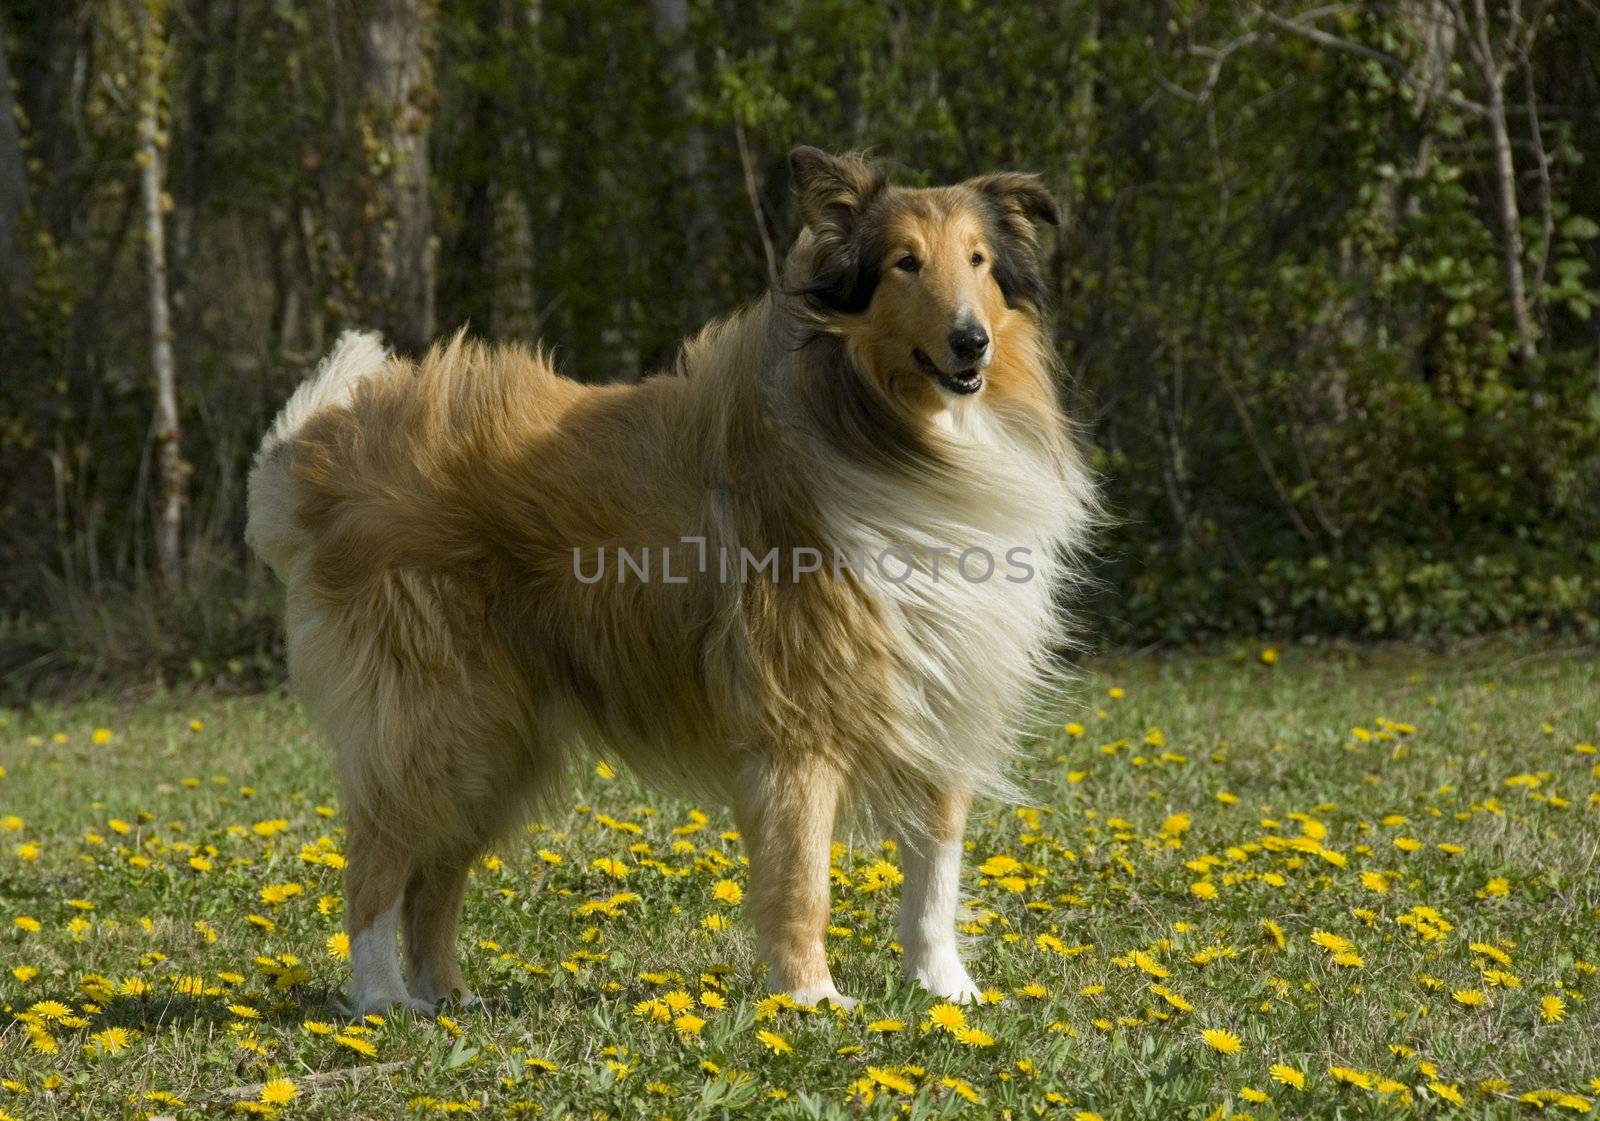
310,1084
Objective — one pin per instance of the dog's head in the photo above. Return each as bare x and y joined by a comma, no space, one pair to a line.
928,286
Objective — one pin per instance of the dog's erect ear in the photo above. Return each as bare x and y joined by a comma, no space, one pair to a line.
833,193
831,190
1015,201
1020,193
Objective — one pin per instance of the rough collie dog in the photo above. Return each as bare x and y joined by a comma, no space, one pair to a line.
816,566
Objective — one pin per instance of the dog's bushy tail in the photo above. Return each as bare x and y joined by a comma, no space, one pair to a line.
270,528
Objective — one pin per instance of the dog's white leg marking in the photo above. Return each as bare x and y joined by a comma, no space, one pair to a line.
812,995
928,906
375,980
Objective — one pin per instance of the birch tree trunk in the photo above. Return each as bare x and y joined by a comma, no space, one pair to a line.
172,471
396,249
1493,71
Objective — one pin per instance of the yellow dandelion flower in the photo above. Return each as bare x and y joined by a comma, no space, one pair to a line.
1251,1094
1148,964
1176,1000
1000,865
963,1089
1494,953
947,1016
279,1091
973,1037
1552,1008
1222,1041
274,894
689,1024
1352,1077
1448,1092
774,1042
886,1026
652,1010
27,923
1332,942
889,1080
879,875
101,736
726,891
110,1041
338,946
356,1043
1469,997
1288,1075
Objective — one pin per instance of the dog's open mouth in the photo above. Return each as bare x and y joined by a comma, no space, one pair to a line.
962,381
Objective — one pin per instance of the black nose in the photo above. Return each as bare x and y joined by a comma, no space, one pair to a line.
969,343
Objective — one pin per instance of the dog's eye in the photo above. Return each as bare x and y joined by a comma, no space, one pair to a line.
908,263
977,259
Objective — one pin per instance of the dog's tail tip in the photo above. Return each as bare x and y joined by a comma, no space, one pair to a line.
270,523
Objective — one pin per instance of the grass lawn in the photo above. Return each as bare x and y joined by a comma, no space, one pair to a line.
1357,883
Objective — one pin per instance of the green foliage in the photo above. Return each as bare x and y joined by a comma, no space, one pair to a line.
1281,291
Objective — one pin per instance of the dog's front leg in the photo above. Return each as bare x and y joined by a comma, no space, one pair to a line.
785,805
931,851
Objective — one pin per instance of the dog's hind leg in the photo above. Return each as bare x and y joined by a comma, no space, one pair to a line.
376,869
785,808
432,913
931,850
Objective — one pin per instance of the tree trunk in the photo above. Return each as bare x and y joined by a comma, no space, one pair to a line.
671,21
1510,221
394,237
13,182
1494,72
172,471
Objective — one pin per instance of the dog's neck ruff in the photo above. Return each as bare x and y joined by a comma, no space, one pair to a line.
988,501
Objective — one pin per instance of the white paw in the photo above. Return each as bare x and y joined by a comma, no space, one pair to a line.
378,1003
943,975
809,996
